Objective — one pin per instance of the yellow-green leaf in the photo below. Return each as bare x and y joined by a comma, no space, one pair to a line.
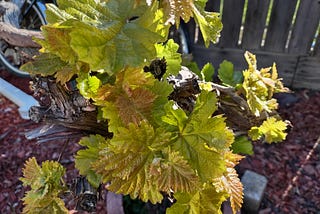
272,129
126,163
228,75
199,137
209,23
173,173
85,157
205,200
260,85
129,100
176,9
169,51
46,187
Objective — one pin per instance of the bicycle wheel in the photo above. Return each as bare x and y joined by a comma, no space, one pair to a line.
13,57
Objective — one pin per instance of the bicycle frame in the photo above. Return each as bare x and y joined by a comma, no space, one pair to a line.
40,4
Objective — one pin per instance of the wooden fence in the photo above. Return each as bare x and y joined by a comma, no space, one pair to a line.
281,31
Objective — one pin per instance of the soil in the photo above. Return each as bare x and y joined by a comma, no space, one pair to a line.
291,167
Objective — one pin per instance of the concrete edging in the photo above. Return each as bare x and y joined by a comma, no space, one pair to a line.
21,99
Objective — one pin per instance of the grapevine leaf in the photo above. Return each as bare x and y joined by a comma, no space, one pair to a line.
169,51
175,118
110,112
207,72
127,161
46,186
162,90
176,9
49,64
129,100
200,136
85,157
242,145
58,42
272,129
206,200
128,175
157,24
105,35
212,130
55,16
47,205
45,64
202,158
209,23
228,75
92,46
31,174
260,85
48,176
65,74
173,173
88,85
231,184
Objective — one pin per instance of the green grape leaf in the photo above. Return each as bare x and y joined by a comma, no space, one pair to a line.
134,97
206,200
105,37
46,186
162,89
193,66
169,51
205,160
209,23
48,64
207,72
31,174
109,111
57,41
45,64
85,157
128,174
46,205
56,16
242,145
173,173
228,75
127,161
88,85
212,130
260,85
199,137
157,24
176,9
231,184
272,130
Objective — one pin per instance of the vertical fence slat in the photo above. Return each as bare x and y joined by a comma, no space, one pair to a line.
316,50
279,26
305,27
231,17
213,6
255,23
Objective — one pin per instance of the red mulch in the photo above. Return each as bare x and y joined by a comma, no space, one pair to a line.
281,162
278,162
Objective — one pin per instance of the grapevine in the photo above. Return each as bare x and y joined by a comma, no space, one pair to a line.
157,126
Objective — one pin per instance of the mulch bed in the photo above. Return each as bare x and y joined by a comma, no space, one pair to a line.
281,162
278,162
